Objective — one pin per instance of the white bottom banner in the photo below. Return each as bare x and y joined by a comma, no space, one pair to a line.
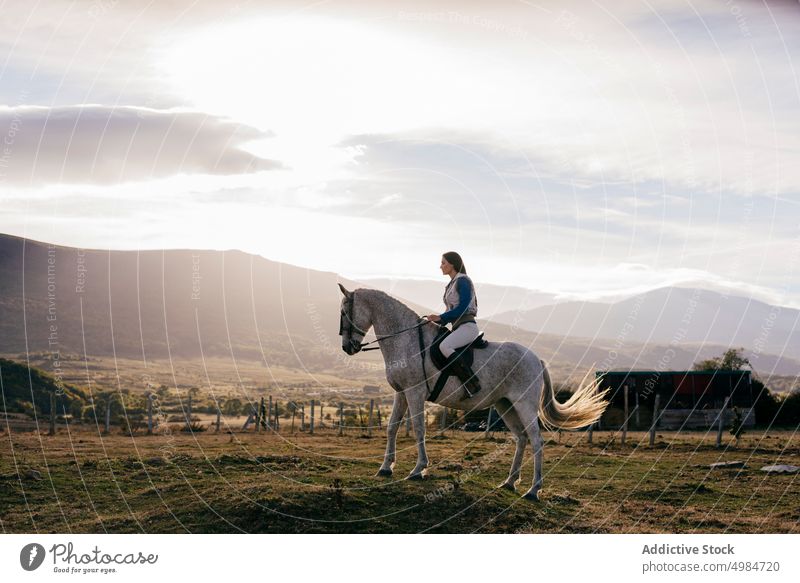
353,558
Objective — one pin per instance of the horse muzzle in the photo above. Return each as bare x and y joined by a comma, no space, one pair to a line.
352,347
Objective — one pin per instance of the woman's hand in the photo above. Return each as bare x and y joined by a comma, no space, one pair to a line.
433,317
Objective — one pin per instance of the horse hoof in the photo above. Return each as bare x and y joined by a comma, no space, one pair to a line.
531,496
383,473
508,486
416,477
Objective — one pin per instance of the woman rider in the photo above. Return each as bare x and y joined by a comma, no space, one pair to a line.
462,307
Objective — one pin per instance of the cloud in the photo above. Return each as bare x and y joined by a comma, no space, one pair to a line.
104,145
551,141
703,96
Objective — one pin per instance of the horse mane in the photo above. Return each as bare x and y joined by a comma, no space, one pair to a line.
382,294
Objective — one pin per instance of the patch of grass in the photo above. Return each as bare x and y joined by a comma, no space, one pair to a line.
322,483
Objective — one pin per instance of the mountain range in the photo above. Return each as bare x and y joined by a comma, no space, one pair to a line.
184,303
493,299
668,315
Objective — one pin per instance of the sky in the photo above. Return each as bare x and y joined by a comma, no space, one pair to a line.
587,149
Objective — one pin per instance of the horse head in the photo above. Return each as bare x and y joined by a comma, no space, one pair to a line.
354,321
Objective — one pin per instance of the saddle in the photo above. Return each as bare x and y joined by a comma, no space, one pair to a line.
459,363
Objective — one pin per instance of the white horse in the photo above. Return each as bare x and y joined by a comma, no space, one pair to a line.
513,380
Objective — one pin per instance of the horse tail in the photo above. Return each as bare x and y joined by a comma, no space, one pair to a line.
583,408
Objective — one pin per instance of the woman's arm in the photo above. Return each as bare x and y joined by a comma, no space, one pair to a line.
464,298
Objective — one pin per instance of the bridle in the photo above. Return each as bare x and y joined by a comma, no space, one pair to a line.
350,327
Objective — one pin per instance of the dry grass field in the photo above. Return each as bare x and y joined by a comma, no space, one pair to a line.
82,482
217,376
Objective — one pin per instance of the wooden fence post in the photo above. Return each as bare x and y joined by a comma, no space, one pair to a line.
636,409
625,416
269,414
488,422
656,403
341,418
312,417
654,421
259,408
249,420
380,425
321,414
294,412
52,414
720,422
108,414
303,417
219,416
150,414
369,421
277,425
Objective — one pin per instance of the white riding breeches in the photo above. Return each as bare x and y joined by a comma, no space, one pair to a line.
463,335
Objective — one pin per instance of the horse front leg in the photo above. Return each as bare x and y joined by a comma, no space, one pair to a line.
399,407
416,409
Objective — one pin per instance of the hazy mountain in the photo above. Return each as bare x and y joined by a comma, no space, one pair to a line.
673,315
159,304
492,299
190,303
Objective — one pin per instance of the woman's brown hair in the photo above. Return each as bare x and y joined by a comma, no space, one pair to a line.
455,260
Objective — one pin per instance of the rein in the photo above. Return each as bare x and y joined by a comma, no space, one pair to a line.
351,326
417,325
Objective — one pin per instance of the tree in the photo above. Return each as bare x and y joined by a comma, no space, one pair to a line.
766,405
733,359
790,409
232,407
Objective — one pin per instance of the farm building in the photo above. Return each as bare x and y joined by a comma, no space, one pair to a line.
688,399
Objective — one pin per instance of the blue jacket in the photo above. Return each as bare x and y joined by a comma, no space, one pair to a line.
464,289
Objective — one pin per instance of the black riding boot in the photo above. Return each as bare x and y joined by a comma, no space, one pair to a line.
465,375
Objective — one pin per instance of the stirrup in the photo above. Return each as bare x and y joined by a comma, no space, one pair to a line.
467,394
471,388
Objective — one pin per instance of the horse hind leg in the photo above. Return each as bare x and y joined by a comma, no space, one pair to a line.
529,416
513,422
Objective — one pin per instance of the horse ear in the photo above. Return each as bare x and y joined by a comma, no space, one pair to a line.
344,291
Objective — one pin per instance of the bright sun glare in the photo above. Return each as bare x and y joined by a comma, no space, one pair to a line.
314,78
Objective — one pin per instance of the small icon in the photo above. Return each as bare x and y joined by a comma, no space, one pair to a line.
31,556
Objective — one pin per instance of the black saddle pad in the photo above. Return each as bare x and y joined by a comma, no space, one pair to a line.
466,351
